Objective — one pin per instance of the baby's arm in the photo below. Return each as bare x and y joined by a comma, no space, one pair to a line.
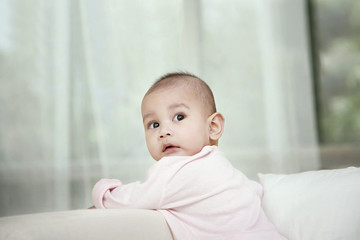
111,193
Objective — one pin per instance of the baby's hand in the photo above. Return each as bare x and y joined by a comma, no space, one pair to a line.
92,207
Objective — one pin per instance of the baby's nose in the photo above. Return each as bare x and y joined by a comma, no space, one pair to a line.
165,132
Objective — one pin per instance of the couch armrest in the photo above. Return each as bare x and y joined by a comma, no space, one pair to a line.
87,224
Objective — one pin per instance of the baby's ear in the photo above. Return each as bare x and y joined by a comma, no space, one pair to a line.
216,127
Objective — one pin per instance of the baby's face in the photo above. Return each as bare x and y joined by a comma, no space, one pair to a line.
175,123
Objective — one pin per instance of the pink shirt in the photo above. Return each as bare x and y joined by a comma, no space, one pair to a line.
201,197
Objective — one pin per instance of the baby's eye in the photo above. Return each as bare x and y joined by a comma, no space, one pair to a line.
179,117
154,125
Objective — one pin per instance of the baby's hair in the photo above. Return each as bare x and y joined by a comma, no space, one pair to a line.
200,87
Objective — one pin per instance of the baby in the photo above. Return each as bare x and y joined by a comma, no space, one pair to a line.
192,184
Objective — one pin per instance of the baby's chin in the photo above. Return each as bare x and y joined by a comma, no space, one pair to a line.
177,152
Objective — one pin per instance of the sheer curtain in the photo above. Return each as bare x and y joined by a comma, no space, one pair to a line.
73,73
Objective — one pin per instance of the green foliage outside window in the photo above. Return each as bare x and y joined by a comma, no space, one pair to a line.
337,31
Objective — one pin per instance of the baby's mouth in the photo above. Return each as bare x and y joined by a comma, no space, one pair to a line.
168,146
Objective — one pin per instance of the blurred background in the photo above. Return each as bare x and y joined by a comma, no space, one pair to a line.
285,74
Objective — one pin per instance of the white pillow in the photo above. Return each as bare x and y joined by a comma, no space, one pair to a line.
314,205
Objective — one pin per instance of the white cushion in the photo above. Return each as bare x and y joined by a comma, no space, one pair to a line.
314,205
94,224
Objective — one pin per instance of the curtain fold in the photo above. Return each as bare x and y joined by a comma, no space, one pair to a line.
73,74
59,73
287,86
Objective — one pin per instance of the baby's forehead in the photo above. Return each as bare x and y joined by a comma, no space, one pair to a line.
180,97
180,83
181,91
188,85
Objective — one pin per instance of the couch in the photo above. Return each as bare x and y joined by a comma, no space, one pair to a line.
314,205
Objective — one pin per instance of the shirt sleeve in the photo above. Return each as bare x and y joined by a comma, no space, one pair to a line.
112,193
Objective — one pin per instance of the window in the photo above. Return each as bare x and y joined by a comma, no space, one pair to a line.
335,29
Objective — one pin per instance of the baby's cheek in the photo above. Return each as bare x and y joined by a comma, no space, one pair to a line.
149,144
